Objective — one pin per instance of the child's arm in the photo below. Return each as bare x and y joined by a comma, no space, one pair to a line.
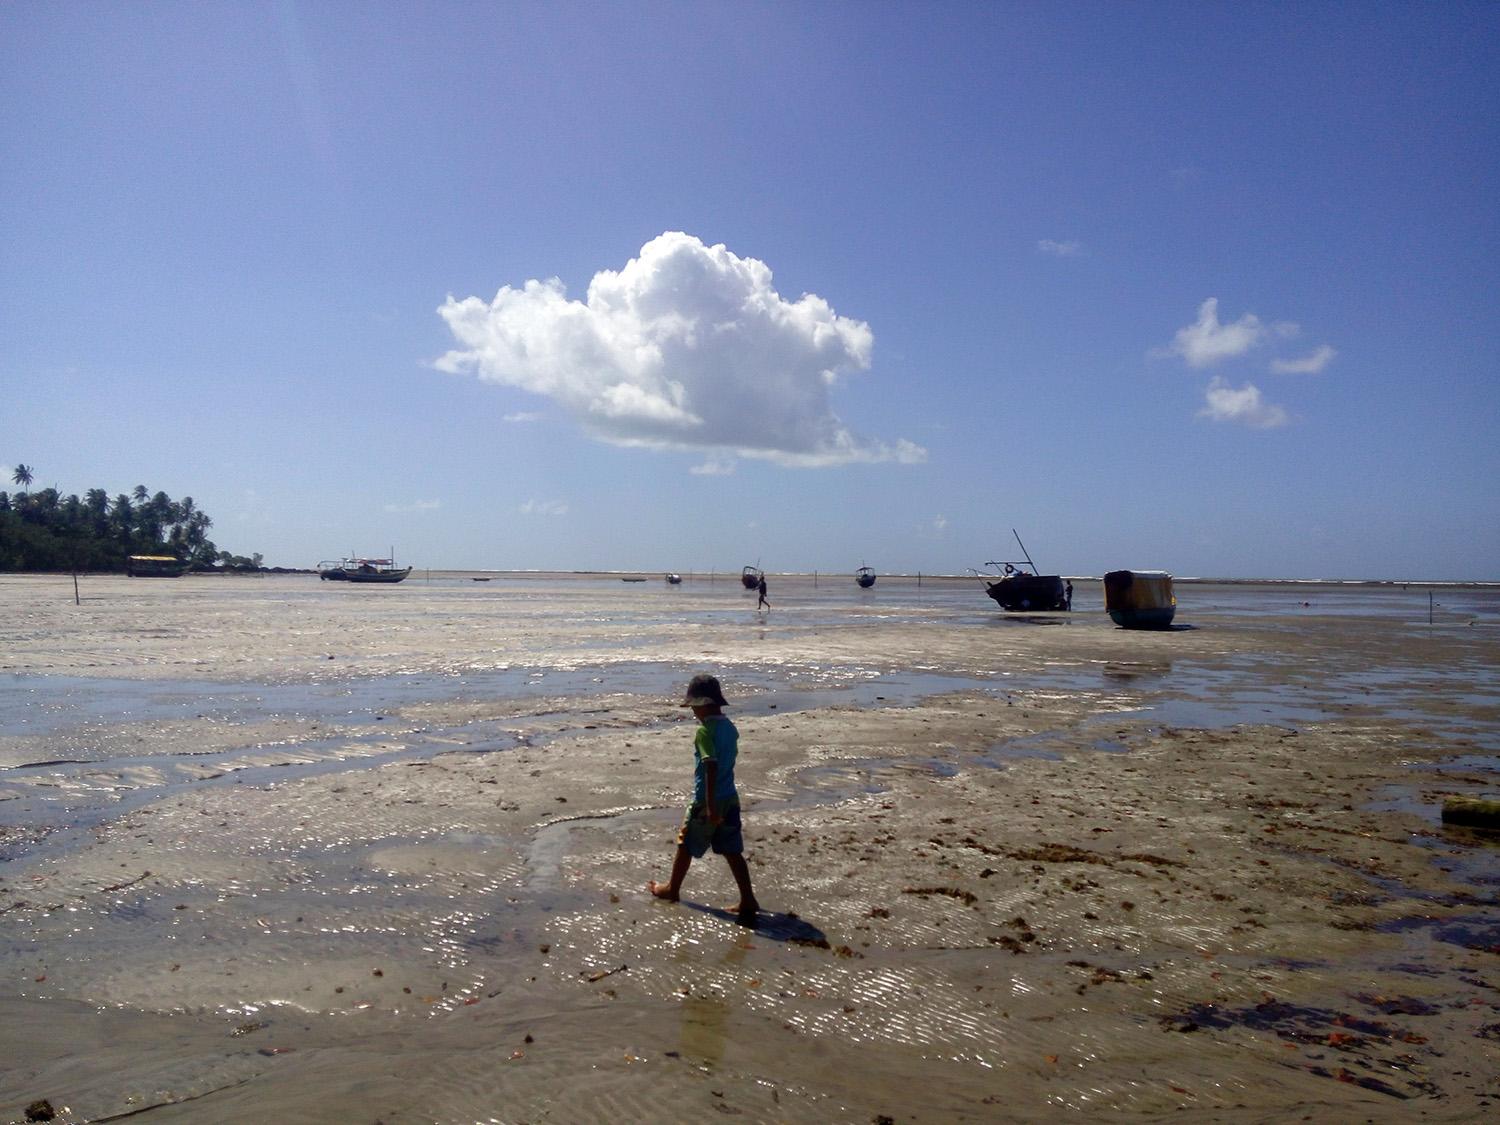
710,787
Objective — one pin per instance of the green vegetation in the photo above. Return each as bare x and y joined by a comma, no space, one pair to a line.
46,531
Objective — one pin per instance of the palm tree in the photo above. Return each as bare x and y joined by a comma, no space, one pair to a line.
22,475
140,494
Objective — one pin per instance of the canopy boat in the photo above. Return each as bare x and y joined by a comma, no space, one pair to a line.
865,576
155,566
1017,588
674,580
332,570
750,577
373,570
1140,599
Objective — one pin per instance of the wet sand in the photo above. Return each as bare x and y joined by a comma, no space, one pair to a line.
348,855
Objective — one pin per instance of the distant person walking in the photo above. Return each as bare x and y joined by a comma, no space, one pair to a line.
761,587
1068,595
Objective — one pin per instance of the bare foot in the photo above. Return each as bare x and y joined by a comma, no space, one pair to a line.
662,890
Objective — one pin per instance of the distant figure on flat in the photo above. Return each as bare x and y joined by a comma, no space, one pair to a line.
1068,595
761,588
713,819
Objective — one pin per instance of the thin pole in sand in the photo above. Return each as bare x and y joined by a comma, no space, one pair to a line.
75,588
1429,607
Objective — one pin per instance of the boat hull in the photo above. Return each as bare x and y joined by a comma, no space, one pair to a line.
1140,599
1022,593
379,576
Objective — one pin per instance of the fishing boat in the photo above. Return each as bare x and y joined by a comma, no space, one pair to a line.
865,576
674,580
1140,599
750,577
155,566
1017,585
332,570
373,570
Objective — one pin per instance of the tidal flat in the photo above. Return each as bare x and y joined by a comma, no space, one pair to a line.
276,849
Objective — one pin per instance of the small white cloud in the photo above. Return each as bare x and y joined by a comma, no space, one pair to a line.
1244,405
416,506
544,508
1206,342
687,347
940,523
1069,249
714,467
523,416
1307,365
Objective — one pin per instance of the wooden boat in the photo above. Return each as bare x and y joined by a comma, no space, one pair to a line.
674,580
865,576
478,579
632,580
373,570
1018,589
332,570
1140,599
155,566
750,577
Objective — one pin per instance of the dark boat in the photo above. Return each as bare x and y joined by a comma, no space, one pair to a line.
330,570
1140,599
750,577
373,570
155,566
1017,588
674,580
865,576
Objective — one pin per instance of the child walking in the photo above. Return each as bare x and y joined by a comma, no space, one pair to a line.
713,819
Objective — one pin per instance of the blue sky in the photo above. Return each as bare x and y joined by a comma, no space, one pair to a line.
1210,288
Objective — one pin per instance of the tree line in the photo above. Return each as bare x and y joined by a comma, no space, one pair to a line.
44,530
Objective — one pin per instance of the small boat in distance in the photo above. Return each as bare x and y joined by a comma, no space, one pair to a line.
332,570
1018,589
750,577
1140,599
865,576
372,570
155,566
674,580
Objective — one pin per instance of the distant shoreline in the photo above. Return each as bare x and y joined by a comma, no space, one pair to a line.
734,576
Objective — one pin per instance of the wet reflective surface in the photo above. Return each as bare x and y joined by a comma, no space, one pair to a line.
1030,870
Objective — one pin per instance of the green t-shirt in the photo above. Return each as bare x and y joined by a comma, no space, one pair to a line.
717,740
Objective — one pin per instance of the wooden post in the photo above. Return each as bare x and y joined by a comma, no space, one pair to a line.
76,601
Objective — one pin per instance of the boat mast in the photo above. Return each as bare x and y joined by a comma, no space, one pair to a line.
1024,552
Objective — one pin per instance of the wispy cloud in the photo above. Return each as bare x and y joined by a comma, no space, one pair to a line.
1069,249
714,467
544,508
1244,405
1307,365
687,347
523,416
415,506
1207,342
940,523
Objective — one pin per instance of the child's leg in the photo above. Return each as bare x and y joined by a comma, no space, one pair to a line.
741,872
680,863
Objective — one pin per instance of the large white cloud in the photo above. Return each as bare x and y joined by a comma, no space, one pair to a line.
687,347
